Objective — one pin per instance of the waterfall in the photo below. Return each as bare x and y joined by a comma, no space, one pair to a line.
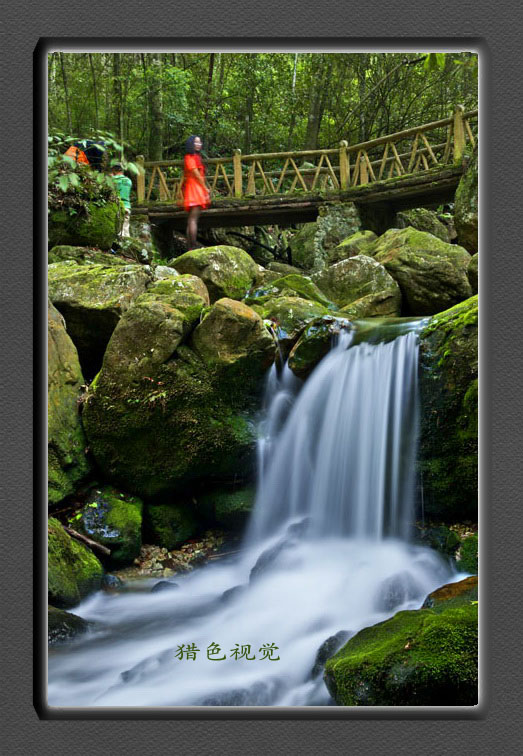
326,551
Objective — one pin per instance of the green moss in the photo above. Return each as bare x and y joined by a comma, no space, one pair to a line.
289,286
468,561
73,570
114,519
422,658
169,525
97,229
230,508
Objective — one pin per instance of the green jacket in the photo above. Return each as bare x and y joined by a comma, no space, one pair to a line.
124,186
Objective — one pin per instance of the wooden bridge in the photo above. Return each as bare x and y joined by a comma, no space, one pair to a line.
419,166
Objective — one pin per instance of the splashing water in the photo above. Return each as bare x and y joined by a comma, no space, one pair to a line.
326,552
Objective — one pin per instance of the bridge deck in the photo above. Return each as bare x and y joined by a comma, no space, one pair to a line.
433,186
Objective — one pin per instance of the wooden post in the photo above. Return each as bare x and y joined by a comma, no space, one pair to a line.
344,165
459,133
237,164
140,179
364,176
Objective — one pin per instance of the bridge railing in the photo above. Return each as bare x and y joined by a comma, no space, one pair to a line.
438,143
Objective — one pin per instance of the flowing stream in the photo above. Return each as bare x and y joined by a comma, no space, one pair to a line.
325,554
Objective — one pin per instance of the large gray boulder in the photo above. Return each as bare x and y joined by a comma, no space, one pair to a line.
66,442
423,220
358,278
226,271
92,298
431,274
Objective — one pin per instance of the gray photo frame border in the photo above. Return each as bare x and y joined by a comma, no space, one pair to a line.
501,366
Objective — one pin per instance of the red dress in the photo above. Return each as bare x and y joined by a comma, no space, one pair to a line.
194,194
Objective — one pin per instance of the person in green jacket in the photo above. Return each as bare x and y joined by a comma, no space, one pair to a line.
123,186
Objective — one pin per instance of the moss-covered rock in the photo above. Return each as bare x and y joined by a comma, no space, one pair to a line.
426,657
449,413
467,557
360,277
98,228
453,594
432,274
92,299
189,416
63,626
169,525
150,331
83,256
290,315
360,243
226,271
113,519
229,508
472,272
66,442
311,246
283,269
291,285
423,220
466,207
73,570
314,343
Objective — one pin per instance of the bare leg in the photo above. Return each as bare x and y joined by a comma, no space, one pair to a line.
192,226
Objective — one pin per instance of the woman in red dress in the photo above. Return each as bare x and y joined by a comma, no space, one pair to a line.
196,192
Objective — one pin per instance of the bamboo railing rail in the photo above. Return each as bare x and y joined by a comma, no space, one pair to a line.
334,169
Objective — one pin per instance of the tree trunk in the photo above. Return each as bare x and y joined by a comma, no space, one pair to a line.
320,72
66,96
362,87
208,96
155,108
94,92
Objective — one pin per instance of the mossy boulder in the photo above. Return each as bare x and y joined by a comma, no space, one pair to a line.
466,207
92,299
284,269
169,525
113,519
226,271
66,442
360,277
191,417
473,271
291,285
98,227
453,594
431,274
233,340
423,220
359,243
314,343
467,557
229,508
426,657
289,316
153,327
83,256
449,413
73,570
63,626
311,246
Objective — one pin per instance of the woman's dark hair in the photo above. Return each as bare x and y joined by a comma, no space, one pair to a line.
189,145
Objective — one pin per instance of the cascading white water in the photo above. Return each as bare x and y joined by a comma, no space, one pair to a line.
325,553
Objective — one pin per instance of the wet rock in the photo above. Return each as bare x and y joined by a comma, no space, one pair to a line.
357,277
164,585
113,519
327,649
289,316
461,593
395,591
314,343
63,626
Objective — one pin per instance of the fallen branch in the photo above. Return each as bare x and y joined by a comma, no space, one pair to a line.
88,542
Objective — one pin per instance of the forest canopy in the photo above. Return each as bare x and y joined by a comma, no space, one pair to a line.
258,102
